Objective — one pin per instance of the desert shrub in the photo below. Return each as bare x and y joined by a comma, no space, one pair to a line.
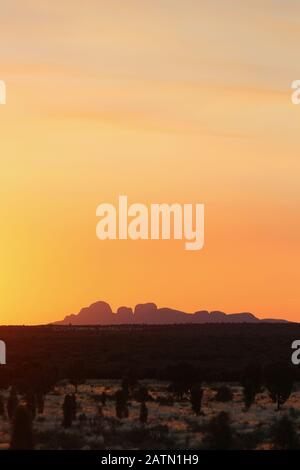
5,377
68,411
224,394
77,373
251,439
183,376
218,433
103,398
129,381
121,397
22,435
155,437
95,442
2,407
251,381
12,403
159,431
31,403
249,393
74,406
196,398
143,413
137,435
59,439
284,435
142,394
165,400
40,401
294,413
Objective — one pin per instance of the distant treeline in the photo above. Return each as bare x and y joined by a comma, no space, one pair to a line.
220,352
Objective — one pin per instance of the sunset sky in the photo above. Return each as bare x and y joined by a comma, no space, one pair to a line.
164,101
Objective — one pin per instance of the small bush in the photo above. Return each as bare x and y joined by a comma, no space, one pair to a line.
165,401
60,439
250,440
224,394
22,435
219,433
284,435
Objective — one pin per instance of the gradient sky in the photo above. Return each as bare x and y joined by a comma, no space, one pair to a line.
165,101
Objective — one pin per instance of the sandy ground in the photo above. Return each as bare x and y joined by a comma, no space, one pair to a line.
168,427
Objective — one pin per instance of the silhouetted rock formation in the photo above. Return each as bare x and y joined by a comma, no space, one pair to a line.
100,313
96,313
124,314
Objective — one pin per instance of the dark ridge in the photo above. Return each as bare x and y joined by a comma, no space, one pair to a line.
100,313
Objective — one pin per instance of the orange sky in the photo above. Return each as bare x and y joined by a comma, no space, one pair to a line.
165,101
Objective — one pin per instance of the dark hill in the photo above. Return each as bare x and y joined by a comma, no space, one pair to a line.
100,313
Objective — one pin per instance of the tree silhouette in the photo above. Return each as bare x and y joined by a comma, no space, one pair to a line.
128,383
196,398
31,404
121,397
12,403
103,398
5,377
22,435
279,382
142,394
223,394
74,406
252,383
219,434
284,434
68,411
184,376
77,373
40,401
143,413
2,407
